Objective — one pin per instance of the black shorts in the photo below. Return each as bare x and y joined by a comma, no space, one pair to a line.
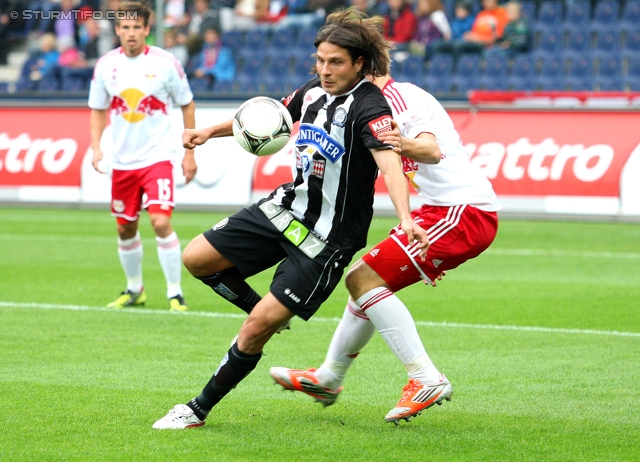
252,242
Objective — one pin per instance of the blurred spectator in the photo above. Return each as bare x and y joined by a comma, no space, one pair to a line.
10,26
215,61
462,21
202,17
176,49
361,5
321,8
46,59
174,12
64,25
433,27
400,24
93,43
69,55
379,8
515,38
488,26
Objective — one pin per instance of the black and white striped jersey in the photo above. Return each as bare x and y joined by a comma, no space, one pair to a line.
332,193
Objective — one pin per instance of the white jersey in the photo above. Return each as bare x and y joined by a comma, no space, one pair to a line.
140,91
454,180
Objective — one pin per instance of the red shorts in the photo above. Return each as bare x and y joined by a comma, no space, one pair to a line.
153,184
456,234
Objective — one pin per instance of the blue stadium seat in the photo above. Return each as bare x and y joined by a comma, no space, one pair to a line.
283,38
522,72
550,43
581,83
488,82
550,83
223,87
306,36
631,44
467,72
550,17
437,84
551,68
412,69
578,14
302,66
49,82
578,41
602,83
610,67
250,86
256,39
200,84
607,43
253,64
528,11
233,39
468,65
4,87
280,87
579,65
605,14
630,18
279,65
440,64
633,66
496,66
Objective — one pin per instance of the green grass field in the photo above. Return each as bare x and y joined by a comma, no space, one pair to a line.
540,337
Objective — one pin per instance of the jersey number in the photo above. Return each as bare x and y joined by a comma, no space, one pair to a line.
164,189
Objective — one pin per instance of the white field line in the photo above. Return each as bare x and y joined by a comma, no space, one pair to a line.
206,314
489,251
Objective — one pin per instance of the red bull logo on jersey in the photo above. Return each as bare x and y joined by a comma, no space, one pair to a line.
321,140
133,105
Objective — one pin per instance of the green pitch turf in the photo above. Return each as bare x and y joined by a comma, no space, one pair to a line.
540,337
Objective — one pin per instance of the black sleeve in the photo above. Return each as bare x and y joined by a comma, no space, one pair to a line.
373,118
294,101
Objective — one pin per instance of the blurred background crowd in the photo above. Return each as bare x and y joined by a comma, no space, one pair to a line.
264,46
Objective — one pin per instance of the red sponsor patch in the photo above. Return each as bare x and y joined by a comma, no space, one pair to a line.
288,99
380,125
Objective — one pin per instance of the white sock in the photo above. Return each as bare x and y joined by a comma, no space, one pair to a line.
352,334
130,252
394,322
170,257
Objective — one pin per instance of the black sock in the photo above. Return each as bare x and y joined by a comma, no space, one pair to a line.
230,285
235,366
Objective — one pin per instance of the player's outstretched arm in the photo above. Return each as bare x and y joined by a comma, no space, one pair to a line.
197,137
391,169
423,148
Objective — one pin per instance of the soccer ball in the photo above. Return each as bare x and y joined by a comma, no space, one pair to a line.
262,126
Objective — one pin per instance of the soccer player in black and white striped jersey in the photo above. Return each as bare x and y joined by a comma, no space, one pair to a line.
312,226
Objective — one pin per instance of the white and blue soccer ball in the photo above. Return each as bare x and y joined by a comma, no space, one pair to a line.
262,126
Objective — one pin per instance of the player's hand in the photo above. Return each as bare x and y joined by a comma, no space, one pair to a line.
416,236
439,278
392,138
97,157
192,137
189,166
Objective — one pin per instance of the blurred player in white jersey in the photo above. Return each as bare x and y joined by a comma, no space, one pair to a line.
459,214
137,84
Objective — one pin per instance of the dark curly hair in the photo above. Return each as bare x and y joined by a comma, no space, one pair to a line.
360,35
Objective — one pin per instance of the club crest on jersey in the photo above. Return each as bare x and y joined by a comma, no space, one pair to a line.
307,164
436,262
380,125
118,206
339,117
328,147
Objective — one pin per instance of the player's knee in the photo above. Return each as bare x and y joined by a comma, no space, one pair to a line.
161,224
353,279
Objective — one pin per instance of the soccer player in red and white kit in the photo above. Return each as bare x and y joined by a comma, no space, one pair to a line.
459,214
137,83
